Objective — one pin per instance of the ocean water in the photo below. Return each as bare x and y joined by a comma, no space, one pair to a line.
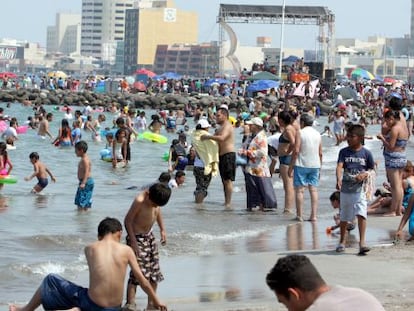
44,233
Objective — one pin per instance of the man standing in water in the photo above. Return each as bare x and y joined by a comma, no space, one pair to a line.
224,136
44,126
107,261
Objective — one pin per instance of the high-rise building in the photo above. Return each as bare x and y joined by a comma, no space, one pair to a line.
64,36
196,60
103,25
152,23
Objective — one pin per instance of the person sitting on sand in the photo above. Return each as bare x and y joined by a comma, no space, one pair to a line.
335,199
382,204
107,260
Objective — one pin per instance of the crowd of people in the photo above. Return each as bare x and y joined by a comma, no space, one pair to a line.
283,135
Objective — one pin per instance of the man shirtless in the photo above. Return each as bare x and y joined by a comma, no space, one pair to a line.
44,126
107,261
224,136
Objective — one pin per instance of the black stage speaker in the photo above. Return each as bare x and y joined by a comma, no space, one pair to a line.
329,74
315,69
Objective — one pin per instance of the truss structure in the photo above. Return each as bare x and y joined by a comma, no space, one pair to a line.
293,15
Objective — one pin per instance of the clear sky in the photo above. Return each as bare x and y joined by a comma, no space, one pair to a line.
28,19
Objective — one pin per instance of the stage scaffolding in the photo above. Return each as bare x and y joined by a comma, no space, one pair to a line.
272,14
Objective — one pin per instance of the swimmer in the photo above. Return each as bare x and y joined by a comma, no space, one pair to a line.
40,171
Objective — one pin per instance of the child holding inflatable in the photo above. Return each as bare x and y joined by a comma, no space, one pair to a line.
5,164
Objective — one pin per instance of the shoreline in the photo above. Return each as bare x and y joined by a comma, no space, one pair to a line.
236,280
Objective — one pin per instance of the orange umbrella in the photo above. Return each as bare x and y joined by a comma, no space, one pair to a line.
144,71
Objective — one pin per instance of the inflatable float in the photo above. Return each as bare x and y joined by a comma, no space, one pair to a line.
106,155
22,129
156,138
7,179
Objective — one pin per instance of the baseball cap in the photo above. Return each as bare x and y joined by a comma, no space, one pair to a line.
203,123
256,121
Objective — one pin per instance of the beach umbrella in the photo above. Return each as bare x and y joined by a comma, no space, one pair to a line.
146,72
139,86
261,85
389,80
290,59
8,74
263,75
170,75
359,73
347,93
57,74
216,81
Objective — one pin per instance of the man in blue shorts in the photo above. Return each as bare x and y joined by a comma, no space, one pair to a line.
305,165
107,261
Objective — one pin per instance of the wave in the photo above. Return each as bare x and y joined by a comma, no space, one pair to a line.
44,268
68,242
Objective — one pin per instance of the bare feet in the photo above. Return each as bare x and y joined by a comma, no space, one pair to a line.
392,214
313,219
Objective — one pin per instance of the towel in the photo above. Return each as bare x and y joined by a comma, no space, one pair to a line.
207,151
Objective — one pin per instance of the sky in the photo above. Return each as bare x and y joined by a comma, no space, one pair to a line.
28,20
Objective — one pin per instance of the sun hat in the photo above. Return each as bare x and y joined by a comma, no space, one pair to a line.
255,121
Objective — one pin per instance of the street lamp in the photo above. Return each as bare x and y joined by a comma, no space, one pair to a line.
282,33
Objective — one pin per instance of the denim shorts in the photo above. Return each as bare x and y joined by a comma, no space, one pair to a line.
305,176
60,294
285,160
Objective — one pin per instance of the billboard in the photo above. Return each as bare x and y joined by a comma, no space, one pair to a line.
11,52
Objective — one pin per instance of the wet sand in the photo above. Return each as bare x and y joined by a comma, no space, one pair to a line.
235,279
236,282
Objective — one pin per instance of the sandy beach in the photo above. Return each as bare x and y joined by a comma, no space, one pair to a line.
237,282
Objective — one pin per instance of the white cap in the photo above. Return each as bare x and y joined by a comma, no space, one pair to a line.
203,123
256,121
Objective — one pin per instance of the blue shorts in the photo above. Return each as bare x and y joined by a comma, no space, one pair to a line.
60,294
305,176
66,143
395,160
83,198
285,160
42,182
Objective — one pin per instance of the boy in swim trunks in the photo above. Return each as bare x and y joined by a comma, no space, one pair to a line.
143,213
40,171
83,198
107,260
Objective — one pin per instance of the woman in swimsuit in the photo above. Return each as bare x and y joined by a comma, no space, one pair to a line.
284,151
394,135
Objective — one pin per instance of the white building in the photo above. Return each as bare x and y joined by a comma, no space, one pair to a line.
103,24
64,36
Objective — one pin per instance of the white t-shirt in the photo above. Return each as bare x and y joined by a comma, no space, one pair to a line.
310,139
341,298
10,132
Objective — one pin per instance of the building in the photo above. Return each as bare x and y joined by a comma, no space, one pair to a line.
64,37
103,25
195,60
154,23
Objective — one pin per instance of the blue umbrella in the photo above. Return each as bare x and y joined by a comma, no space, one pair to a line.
261,85
168,75
218,81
